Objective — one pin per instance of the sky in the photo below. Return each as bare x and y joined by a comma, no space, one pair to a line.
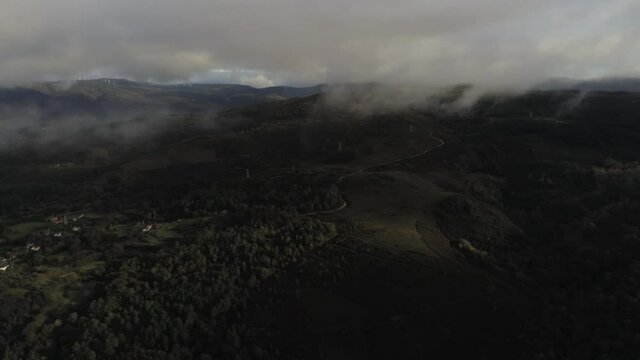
491,43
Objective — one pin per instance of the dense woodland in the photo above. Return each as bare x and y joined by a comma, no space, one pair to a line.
179,301
573,190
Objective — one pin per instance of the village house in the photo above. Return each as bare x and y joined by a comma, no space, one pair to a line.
33,247
150,227
57,220
4,264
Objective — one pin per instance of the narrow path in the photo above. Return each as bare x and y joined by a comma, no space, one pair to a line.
342,178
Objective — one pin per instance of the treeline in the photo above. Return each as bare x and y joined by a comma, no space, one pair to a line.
293,198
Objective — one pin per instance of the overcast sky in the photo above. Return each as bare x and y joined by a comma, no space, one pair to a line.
265,42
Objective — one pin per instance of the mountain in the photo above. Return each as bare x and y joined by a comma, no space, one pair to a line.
103,98
620,84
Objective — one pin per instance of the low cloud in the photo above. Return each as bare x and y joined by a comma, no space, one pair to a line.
490,43
29,129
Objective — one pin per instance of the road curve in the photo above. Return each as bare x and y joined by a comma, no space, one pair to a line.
345,204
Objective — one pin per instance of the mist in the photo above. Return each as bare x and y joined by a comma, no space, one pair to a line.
29,129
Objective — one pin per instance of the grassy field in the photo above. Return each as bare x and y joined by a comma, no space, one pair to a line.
22,230
389,204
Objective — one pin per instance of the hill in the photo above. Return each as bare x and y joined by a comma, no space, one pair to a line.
301,229
103,98
619,84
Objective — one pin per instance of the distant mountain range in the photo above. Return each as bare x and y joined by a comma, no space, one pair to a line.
606,84
108,97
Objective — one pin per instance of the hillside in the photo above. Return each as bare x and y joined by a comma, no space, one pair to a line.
108,97
300,229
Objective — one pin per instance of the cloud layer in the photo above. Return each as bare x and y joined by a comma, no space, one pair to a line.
487,42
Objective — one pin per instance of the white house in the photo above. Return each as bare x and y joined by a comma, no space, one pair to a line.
4,264
33,247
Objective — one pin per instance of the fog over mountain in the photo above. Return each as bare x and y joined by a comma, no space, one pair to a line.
261,43
319,179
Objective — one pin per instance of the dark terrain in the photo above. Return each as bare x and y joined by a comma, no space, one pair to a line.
283,227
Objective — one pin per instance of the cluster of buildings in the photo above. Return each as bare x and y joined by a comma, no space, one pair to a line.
31,247
63,220
59,223
5,261
58,220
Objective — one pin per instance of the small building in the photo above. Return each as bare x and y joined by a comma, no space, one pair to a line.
4,264
150,227
58,235
33,247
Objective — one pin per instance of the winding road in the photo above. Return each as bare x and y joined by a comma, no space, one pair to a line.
345,204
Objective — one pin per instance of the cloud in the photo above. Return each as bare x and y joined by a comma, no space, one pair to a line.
488,42
28,128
